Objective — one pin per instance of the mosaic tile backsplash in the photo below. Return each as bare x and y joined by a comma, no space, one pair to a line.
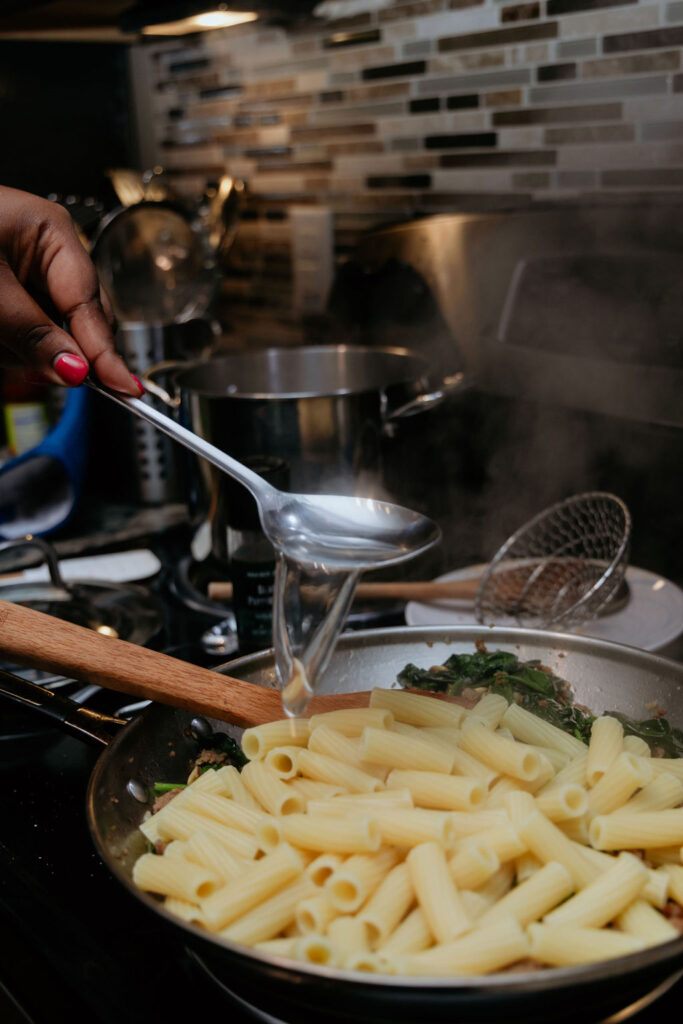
419,108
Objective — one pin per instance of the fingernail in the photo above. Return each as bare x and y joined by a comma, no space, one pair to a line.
72,369
142,390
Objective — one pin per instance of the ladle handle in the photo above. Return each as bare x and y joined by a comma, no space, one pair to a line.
29,637
252,481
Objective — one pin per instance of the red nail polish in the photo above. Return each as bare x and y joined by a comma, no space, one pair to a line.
142,390
72,369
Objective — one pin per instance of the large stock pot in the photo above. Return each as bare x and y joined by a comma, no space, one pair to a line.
162,743
322,408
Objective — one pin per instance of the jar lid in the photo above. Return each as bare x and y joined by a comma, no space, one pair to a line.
241,510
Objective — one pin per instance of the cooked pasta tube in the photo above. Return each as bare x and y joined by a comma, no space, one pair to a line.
544,839
519,805
348,936
656,889
321,867
278,947
270,917
625,775
558,759
388,904
315,912
315,949
328,741
286,732
436,892
351,884
204,849
472,864
369,963
174,876
495,887
569,946
467,823
490,709
533,897
380,746
185,911
410,826
640,919
503,840
328,769
340,808
638,746
352,721
410,936
529,728
474,903
563,802
664,792
576,829
673,765
606,743
438,791
282,761
220,808
327,835
605,897
227,781
665,855
416,709
480,952
312,789
623,830
526,865
178,823
257,883
573,773
506,756
270,791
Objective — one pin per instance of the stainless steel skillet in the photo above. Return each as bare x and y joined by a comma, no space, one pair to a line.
161,743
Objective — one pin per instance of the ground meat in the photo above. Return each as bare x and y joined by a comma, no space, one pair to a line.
674,914
163,799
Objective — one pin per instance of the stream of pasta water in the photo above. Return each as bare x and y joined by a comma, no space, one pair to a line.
310,605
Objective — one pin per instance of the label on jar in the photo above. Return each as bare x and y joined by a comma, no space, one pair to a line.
253,603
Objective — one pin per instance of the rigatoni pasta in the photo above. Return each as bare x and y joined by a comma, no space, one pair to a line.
421,838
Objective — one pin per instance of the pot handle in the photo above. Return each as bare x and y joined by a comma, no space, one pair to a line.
72,718
449,385
151,386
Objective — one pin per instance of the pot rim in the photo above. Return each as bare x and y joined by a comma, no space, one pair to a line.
416,376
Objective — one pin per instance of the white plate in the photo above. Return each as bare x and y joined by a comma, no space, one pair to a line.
652,619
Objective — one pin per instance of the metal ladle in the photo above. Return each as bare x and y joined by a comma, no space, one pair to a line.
340,532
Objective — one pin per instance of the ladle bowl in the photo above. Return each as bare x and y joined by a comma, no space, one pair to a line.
336,532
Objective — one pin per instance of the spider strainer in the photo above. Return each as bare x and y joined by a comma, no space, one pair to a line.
562,567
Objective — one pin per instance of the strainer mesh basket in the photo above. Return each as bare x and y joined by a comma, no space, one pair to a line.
562,567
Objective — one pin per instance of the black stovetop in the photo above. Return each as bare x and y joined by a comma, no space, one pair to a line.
74,945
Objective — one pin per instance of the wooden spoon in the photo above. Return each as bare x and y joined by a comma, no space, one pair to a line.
29,637
402,590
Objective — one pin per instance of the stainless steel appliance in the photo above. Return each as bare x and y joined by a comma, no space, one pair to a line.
567,321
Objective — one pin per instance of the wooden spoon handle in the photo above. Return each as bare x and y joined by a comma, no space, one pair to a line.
32,638
431,590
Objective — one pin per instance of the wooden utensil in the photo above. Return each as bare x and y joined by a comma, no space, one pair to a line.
401,590
29,637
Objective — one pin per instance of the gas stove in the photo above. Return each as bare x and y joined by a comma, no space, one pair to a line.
74,943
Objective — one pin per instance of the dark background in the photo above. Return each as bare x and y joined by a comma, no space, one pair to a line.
63,116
